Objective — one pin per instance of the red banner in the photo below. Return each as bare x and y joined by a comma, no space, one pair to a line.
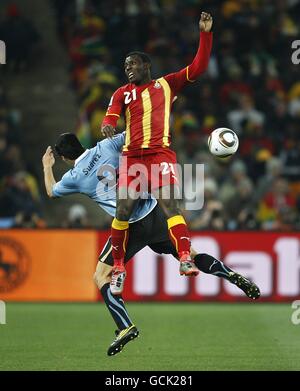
58,265
272,260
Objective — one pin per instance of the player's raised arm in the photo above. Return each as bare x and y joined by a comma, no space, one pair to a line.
112,114
200,62
48,162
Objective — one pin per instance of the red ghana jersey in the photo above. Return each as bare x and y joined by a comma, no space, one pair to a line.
147,107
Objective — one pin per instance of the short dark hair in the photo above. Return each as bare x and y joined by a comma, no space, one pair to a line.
143,56
68,146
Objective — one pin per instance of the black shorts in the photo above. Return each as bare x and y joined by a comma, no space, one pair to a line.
151,231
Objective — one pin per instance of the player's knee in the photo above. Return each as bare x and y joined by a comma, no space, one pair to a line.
100,280
102,275
96,279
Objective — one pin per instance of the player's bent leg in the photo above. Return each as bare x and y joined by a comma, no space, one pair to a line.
126,329
210,265
178,231
115,304
120,234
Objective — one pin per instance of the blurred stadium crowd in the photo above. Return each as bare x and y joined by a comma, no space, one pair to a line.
20,203
251,86
19,193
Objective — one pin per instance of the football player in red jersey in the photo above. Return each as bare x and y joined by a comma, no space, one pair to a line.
147,105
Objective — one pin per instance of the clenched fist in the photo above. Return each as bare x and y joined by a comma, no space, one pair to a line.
205,22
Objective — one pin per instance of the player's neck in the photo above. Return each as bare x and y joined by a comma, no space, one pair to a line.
146,80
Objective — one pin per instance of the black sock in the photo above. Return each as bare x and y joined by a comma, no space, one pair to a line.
210,265
116,307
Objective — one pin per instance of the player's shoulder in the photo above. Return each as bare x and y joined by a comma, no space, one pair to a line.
162,80
158,80
117,139
167,76
121,91
70,176
90,157
125,87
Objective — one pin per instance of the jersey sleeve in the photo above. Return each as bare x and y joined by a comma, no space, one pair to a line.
118,141
67,185
114,109
189,74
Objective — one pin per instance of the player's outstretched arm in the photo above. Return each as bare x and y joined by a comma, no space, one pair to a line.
48,162
200,62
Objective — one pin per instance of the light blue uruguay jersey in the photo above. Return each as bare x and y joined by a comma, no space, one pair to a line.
94,174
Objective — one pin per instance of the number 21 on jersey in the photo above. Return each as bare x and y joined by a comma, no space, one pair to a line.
129,96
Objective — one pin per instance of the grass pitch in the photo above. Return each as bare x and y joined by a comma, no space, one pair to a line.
173,336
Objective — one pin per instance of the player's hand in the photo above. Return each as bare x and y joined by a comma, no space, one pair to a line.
48,158
108,131
205,22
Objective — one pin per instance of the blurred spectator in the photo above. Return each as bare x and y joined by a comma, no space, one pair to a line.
18,200
291,159
212,214
20,204
245,115
235,86
237,174
238,205
20,36
274,170
278,206
77,217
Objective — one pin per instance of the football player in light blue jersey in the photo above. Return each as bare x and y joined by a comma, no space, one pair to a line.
94,174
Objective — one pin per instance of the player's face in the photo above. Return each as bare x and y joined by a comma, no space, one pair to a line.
135,69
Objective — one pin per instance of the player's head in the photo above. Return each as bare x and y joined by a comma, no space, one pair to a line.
137,67
68,146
